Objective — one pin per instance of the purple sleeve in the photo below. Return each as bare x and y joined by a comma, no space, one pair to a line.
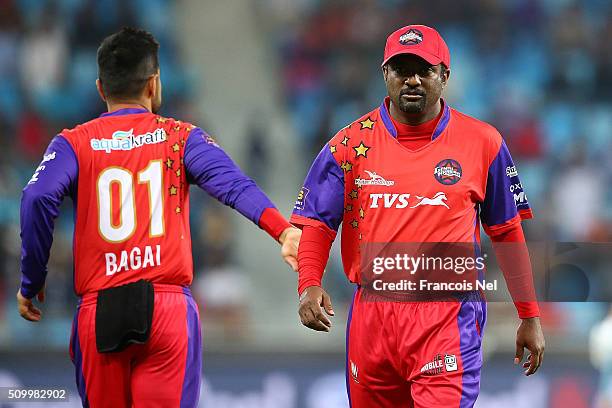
505,198
213,170
322,197
55,177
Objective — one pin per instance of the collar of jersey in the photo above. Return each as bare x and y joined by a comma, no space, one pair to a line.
124,111
442,123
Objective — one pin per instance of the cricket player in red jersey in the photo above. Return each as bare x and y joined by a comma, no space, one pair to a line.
414,170
128,173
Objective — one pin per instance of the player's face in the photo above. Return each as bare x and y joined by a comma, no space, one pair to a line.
414,86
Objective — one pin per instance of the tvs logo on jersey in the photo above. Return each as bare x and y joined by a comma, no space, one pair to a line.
301,199
448,172
374,180
125,140
440,365
438,199
411,37
394,200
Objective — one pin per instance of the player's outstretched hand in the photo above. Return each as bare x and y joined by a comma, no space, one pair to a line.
290,241
26,307
529,335
312,303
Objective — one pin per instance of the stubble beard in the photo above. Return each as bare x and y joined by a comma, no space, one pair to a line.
413,107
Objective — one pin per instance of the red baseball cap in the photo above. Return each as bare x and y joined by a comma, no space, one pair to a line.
419,40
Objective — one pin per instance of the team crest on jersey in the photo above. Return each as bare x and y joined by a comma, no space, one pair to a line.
374,180
448,172
411,37
126,140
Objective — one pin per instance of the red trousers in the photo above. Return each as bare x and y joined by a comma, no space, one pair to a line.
414,354
164,372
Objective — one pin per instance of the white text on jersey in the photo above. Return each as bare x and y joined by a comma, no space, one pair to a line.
125,140
395,200
132,260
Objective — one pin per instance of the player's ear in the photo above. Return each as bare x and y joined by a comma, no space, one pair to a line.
445,75
151,86
100,90
385,71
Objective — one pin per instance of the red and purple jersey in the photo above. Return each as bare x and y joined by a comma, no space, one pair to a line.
381,191
128,173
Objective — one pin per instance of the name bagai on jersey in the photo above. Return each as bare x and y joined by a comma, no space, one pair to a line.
122,140
132,260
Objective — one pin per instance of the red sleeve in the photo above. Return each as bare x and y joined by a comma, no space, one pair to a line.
313,254
513,258
273,222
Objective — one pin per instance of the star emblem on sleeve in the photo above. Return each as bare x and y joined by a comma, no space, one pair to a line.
332,148
354,223
176,147
173,190
346,166
159,119
353,194
177,209
169,163
178,172
345,141
361,213
349,207
367,124
361,150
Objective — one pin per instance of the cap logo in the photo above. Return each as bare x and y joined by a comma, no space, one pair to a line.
411,37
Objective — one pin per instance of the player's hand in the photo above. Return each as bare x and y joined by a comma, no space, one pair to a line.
529,335
290,240
312,303
26,307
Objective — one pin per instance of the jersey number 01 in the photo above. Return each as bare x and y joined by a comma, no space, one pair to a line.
122,230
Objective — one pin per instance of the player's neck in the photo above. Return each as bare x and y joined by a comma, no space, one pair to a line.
414,119
115,106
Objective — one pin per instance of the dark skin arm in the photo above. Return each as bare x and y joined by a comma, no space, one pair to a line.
313,301
26,307
514,262
529,336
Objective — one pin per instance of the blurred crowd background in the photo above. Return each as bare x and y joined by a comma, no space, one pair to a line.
538,70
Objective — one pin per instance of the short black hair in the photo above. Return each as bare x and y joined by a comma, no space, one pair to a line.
126,59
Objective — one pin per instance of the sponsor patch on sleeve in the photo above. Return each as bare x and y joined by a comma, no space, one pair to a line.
301,199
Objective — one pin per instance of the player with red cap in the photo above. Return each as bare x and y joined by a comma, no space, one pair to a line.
414,170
